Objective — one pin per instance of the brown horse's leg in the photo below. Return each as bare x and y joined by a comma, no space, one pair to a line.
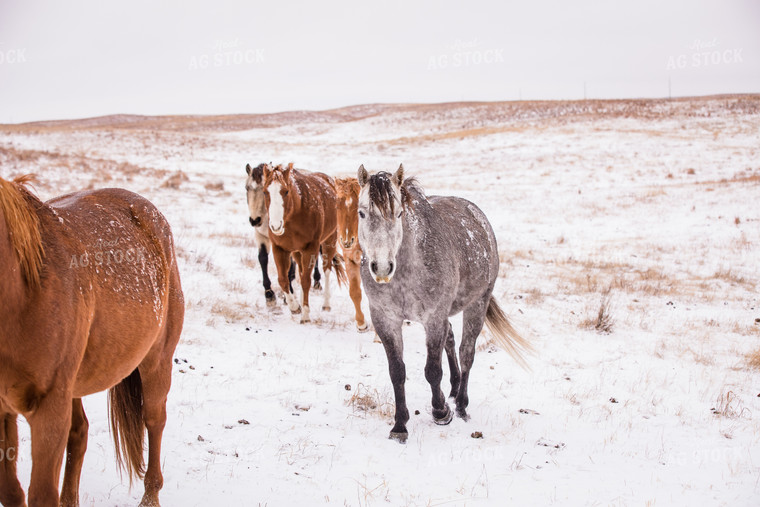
282,261
50,424
305,261
75,449
11,494
355,291
156,374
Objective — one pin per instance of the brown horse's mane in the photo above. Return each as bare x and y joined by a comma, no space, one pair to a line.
346,187
19,206
382,196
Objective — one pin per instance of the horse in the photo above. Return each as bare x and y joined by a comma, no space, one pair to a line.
90,299
426,259
348,225
302,208
259,220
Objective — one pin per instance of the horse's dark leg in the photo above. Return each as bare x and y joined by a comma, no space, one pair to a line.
291,274
437,333
317,277
282,259
451,355
389,331
473,318
75,449
49,424
11,493
264,263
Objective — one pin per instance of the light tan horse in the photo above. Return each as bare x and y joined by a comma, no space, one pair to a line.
348,239
90,299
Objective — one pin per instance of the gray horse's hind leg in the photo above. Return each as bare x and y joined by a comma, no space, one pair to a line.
437,336
451,355
389,331
474,317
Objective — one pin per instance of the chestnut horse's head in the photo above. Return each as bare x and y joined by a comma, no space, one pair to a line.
254,187
280,204
347,190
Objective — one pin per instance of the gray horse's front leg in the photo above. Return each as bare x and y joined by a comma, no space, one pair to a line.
437,332
389,331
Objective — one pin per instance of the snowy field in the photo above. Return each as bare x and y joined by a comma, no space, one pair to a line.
645,211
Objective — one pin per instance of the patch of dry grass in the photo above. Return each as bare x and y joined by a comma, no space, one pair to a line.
231,311
602,322
370,400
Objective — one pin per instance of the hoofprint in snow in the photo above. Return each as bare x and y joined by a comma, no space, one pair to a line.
643,210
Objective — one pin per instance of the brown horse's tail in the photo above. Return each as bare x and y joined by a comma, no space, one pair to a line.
125,401
505,335
339,266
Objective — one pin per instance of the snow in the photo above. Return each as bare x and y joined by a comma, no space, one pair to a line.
652,203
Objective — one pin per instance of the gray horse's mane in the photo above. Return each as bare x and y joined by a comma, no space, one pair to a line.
381,193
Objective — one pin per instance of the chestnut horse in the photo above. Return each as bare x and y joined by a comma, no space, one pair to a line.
302,210
348,238
90,299
258,217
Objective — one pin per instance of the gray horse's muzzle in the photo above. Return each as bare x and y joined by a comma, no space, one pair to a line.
382,272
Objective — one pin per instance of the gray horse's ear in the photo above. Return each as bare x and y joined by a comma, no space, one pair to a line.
398,178
248,169
362,176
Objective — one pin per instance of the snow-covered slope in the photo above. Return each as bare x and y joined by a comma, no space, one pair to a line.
645,208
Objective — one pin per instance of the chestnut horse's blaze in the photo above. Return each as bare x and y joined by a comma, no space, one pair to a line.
302,210
348,237
90,299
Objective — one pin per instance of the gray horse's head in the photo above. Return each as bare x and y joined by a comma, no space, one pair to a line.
254,187
381,230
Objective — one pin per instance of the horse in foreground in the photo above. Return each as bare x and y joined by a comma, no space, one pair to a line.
258,217
426,259
302,209
348,239
90,299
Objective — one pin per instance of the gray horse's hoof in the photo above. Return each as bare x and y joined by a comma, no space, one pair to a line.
462,414
399,436
446,419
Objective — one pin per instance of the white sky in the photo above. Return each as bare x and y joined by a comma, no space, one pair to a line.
79,58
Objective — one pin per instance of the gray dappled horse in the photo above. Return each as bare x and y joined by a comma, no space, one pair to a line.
426,259
259,220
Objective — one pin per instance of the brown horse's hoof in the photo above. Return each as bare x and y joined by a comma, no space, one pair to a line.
377,339
445,419
271,303
399,436
362,328
326,308
317,286
304,321
296,311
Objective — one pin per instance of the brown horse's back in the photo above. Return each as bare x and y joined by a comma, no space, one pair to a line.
118,248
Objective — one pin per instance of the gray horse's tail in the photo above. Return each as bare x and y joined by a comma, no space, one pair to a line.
505,335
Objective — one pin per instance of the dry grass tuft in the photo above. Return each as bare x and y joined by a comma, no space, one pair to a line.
753,359
602,322
370,400
175,180
231,311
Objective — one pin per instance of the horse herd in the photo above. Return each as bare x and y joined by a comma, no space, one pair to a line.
91,300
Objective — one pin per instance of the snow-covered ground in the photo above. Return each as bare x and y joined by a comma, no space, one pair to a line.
647,208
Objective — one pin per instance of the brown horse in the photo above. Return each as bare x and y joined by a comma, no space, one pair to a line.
348,232
302,221
90,299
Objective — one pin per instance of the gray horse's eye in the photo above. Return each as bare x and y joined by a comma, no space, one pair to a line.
361,214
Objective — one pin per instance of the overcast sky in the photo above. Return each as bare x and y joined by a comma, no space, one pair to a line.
80,58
